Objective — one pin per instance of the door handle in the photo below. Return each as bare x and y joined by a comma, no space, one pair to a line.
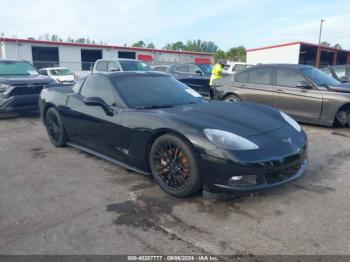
241,85
279,91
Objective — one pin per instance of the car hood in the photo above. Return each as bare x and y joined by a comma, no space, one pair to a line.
244,119
25,79
344,88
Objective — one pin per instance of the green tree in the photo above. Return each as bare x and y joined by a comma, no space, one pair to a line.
324,43
219,54
151,45
139,44
236,54
338,46
175,46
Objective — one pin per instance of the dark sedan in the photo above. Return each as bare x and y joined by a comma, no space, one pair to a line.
153,124
196,76
304,92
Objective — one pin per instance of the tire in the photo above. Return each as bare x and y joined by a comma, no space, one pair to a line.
343,118
232,98
54,127
174,166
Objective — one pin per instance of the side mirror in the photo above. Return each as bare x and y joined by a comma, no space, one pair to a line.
304,84
344,79
198,72
96,101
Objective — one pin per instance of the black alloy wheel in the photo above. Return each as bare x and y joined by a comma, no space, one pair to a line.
174,166
55,128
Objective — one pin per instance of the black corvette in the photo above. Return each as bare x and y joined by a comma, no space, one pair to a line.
153,124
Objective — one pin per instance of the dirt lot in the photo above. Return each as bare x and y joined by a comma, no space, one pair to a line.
63,201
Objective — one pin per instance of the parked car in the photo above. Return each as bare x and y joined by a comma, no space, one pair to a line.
304,92
235,67
339,72
61,75
119,64
20,86
171,132
196,76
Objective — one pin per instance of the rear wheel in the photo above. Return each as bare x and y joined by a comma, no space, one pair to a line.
174,166
232,98
55,128
343,118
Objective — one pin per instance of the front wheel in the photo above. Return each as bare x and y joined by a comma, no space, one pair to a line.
232,98
55,128
174,166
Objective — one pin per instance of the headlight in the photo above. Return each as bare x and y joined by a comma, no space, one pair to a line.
229,140
4,87
291,121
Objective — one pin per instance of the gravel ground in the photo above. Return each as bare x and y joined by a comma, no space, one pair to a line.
63,201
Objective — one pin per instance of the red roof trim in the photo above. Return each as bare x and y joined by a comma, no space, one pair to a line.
273,46
295,43
101,46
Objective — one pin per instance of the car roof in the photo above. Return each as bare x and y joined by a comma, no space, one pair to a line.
14,60
294,66
132,73
53,68
119,59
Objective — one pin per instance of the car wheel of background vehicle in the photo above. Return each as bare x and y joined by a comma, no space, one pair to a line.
55,128
232,98
174,166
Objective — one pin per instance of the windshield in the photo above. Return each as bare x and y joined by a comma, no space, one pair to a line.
319,77
154,91
17,68
129,65
206,68
61,72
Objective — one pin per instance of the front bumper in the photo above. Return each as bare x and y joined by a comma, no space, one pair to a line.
254,177
18,103
277,162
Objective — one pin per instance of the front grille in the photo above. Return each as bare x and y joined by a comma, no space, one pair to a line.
26,89
275,176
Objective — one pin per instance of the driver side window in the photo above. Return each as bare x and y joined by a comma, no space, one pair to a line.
97,86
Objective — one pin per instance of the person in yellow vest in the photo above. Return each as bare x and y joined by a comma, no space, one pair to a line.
217,73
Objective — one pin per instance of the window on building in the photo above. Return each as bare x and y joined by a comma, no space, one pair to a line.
126,54
89,57
45,56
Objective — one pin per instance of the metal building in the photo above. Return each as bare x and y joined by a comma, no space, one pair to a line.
298,53
81,57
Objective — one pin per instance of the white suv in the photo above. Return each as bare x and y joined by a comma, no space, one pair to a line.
120,64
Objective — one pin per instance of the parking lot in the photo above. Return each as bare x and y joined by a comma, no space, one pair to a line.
63,201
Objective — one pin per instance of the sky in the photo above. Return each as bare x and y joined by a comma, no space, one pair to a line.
229,23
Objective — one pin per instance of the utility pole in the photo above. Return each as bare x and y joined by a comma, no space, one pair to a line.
318,57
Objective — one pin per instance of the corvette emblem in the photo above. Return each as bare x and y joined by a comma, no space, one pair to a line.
288,140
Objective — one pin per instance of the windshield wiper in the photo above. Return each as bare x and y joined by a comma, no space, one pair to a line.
153,107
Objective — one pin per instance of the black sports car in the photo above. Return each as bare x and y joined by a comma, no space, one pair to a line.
153,124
